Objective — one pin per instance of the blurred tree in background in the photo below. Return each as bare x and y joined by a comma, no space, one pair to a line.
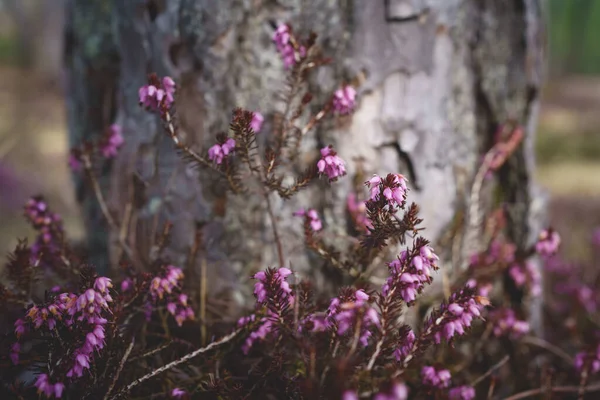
574,33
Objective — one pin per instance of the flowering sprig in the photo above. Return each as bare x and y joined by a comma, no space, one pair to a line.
506,323
158,94
84,315
311,217
344,100
50,238
435,378
218,152
411,272
331,164
105,147
167,287
462,393
548,243
287,45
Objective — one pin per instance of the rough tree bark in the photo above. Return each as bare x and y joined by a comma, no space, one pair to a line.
440,76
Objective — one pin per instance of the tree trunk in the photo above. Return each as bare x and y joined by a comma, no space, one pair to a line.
440,77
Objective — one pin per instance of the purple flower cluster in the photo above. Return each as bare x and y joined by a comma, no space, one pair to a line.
548,242
410,272
344,100
180,310
347,313
165,287
527,275
85,311
358,213
436,378
273,286
498,252
589,360
392,188
49,389
331,164
462,393
218,152
458,314
257,122
405,345
157,93
112,141
397,391
178,393
311,217
283,41
49,226
91,304
264,329
507,324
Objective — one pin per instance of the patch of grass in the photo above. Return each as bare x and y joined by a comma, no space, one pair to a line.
9,50
552,147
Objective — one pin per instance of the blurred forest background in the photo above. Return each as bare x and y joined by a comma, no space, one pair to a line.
33,140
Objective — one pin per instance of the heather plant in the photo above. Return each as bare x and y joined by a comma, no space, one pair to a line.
148,332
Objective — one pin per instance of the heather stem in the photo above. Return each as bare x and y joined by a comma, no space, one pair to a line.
378,347
103,206
120,368
177,362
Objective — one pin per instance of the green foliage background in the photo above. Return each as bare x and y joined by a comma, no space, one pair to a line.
574,27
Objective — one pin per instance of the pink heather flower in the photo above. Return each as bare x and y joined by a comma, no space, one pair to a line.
344,100
408,276
312,217
398,391
219,151
14,353
157,93
243,321
358,212
435,378
110,144
457,315
392,189
20,328
406,345
261,333
178,393
588,360
348,313
257,122
126,285
44,386
330,164
282,38
102,284
462,393
586,297
548,242
507,324
272,285
350,395
74,162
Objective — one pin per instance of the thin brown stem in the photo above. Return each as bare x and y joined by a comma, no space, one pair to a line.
490,371
536,341
203,291
120,368
556,389
275,231
103,205
186,358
